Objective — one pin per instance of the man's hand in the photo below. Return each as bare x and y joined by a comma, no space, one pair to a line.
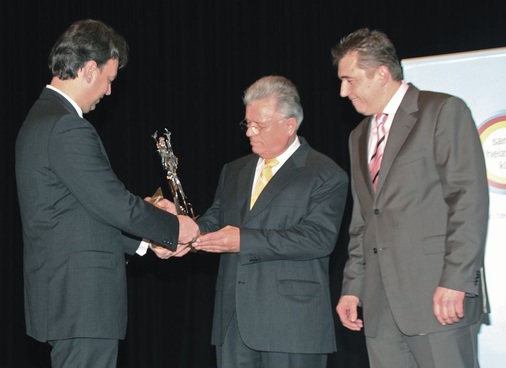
165,253
188,230
163,203
166,205
225,240
448,305
347,310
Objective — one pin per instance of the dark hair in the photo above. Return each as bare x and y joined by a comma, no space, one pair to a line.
374,48
285,92
83,41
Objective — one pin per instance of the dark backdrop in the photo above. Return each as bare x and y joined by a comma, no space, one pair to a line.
190,61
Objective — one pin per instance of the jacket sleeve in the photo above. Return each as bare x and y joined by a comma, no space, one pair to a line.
78,158
461,167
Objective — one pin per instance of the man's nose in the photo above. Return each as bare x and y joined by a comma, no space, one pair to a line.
344,90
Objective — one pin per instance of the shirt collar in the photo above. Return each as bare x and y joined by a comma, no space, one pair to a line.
76,106
282,158
395,101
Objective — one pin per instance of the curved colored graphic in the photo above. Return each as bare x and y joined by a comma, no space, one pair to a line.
493,138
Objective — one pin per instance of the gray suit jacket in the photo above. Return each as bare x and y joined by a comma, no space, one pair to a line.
278,284
73,212
425,226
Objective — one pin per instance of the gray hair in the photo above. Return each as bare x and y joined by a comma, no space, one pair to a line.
283,90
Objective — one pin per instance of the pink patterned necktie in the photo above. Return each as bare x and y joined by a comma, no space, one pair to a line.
375,163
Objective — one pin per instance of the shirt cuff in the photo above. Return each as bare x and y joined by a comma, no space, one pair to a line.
143,247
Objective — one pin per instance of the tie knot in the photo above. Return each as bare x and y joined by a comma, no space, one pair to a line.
270,162
381,118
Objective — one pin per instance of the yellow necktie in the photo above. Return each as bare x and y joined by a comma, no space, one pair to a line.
263,179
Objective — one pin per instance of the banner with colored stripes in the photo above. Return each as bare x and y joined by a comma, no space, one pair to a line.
479,78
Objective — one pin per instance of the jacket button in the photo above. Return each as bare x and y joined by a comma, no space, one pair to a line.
376,211
375,250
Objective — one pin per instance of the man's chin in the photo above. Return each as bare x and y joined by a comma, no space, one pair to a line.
255,149
358,108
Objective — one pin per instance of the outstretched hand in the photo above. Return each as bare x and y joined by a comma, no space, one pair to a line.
225,240
165,253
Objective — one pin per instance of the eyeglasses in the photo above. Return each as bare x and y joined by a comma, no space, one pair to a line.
256,128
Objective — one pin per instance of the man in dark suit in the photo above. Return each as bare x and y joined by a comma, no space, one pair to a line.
418,228
75,211
272,294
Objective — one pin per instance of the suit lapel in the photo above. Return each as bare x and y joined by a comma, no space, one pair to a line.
359,152
286,174
245,185
403,123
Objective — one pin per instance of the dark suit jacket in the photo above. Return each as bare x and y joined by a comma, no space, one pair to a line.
425,226
73,211
278,284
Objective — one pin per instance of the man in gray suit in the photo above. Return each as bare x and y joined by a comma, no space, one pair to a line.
418,227
272,307
75,212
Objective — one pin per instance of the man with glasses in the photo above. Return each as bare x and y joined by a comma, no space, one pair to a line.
273,307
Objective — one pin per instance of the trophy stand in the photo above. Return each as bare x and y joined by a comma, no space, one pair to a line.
169,164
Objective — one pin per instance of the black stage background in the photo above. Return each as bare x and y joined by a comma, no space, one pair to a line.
190,61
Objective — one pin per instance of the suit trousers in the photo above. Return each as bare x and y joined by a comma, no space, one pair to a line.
84,353
456,347
235,354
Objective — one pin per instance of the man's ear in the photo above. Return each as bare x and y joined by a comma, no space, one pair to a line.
88,70
292,125
383,74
